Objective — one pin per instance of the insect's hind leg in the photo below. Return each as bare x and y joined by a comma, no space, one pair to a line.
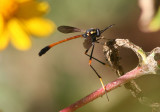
94,57
95,70
100,78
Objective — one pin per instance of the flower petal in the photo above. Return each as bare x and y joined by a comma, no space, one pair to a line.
4,39
22,1
40,27
4,36
31,9
19,37
1,23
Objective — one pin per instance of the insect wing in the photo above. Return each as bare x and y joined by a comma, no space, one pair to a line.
68,29
87,43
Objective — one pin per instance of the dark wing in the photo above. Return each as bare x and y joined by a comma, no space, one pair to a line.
87,42
68,29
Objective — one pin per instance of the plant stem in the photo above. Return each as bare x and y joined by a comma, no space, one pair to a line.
137,72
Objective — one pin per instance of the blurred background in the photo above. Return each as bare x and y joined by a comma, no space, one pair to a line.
29,83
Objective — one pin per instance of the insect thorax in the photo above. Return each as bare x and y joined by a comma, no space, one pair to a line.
93,33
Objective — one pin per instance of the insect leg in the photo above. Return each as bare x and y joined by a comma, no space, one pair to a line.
93,57
90,60
100,78
96,59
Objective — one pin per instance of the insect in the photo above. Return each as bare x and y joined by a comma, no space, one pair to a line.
91,37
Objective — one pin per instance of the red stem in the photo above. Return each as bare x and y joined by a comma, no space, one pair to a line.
137,72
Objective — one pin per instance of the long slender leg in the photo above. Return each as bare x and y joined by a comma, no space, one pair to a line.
100,78
96,59
93,57
90,60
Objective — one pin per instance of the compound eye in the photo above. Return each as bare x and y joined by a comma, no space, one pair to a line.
98,33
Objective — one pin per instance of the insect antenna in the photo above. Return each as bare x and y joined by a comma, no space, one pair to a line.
106,28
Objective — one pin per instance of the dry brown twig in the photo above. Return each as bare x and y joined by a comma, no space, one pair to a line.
148,64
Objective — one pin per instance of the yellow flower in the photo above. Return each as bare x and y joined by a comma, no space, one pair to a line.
21,18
